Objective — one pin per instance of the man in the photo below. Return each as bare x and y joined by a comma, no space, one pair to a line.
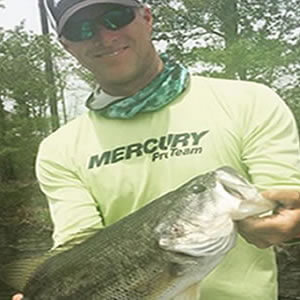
150,127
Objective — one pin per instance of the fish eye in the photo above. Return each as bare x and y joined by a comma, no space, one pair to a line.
198,188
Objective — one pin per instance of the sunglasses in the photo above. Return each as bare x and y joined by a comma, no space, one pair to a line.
113,19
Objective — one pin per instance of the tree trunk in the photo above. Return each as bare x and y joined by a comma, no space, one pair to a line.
49,70
6,163
229,16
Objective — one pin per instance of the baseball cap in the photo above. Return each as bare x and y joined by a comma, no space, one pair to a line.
61,10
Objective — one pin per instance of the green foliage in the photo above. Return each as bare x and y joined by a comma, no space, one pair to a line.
255,40
24,93
250,40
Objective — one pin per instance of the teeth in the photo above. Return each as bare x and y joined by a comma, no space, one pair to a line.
113,54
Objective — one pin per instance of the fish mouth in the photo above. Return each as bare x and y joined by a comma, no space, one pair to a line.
233,183
233,191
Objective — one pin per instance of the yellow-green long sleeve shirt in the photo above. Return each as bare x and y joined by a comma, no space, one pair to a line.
95,170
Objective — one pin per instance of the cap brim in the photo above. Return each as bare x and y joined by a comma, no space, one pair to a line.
70,12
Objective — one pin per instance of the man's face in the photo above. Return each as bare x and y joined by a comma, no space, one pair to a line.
115,56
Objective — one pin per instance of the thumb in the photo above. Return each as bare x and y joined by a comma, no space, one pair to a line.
286,198
17,297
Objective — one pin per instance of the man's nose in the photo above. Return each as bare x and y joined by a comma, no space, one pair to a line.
105,36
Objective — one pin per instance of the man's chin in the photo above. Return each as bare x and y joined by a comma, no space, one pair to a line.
118,78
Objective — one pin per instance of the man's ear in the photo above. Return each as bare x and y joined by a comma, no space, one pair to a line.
148,17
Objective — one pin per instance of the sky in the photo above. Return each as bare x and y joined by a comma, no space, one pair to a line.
13,14
17,10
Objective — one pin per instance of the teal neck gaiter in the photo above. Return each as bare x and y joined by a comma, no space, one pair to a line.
163,89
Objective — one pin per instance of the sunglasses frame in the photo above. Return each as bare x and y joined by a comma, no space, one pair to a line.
95,22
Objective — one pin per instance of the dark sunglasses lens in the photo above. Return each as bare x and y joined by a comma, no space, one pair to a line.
78,31
85,30
117,18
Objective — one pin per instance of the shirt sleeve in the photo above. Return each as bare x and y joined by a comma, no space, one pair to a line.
73,210
270,142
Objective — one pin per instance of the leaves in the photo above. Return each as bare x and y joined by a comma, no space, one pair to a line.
24,92
257,40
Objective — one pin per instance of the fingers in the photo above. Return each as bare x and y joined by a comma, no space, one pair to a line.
286,198
17,297
272,230
282,226
255,231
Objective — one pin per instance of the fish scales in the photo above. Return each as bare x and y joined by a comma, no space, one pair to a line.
110,256
154,253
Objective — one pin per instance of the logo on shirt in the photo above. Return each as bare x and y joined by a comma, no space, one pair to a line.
165,147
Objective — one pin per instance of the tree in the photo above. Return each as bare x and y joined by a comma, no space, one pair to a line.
24,109
254,40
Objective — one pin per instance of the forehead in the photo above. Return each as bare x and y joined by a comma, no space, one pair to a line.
92,11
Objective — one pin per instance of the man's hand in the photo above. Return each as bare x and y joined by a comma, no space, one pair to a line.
282,226
17,297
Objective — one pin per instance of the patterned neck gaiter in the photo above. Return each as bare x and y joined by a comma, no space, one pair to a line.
163,89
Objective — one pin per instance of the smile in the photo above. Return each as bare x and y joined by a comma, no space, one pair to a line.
111,53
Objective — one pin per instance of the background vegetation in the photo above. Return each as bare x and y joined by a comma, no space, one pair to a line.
247,40
256,40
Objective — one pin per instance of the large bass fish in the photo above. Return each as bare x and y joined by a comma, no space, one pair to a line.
156,252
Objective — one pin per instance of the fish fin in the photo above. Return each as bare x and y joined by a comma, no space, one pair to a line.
78,238
17,273
192,292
